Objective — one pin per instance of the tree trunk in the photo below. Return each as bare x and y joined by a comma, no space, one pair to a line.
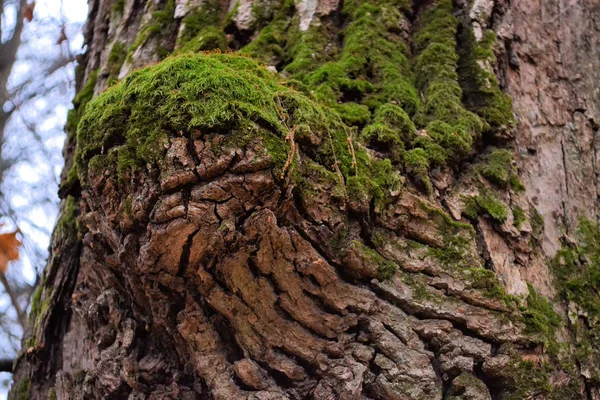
348,205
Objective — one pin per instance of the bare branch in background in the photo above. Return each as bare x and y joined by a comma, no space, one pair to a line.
8,55
14,300
36,87
6,364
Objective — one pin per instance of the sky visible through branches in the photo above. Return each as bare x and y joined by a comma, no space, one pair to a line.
40,88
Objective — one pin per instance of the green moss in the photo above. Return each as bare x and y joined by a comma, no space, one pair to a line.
280,42
375,184
498,166
203,29
485,203
314,173
481,89
218,93
515,183
486,280
128,206
210,38
116,58
198,20
306,49
22,389
79,103
528,380
385,268
418,286
417,163
531,380
447,225
519,217
537,224
539,316
73,117
492,206
369,74
454,253
118,7
577,270
52,394
354,114
68,222
445,118
35,302
161,20
390,129
373,66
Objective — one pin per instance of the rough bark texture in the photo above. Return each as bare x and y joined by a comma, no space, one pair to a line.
317,257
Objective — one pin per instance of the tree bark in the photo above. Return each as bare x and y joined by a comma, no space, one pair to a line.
387,235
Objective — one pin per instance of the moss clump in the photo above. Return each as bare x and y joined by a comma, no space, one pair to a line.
486,280
199,19
375,185
385,268
68,222
314,173
577,270
192,94
115,61
79,103
118,7
373,66
515,184
528,380
35,303
537,225
161,20
447,226
445,118
417,163
128,206
390,129
354,114
485,203
203,29
210,38
519,217
454,253
481,91
73,117
577,275
497,167
280,42
539,316
306,50
22,389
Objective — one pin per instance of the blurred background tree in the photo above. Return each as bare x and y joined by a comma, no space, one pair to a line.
39,44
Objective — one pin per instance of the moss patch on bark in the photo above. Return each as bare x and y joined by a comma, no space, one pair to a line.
191,95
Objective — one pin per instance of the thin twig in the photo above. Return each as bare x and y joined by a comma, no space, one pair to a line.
14,301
